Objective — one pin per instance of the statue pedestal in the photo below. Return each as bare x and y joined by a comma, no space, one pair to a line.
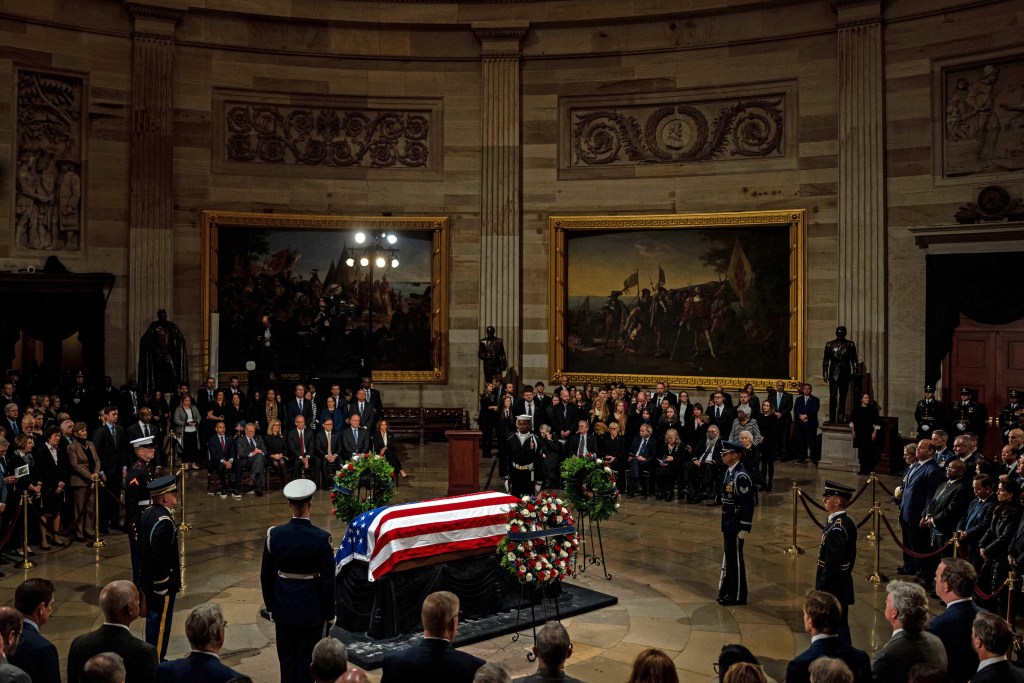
837,451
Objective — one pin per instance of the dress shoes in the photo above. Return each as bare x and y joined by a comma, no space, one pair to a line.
729,602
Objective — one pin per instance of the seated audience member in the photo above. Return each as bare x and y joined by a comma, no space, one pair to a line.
329,660
36,656
552,648
106,667
221,449
433,659
204,629
992,639
906,609
830,670
119,601
354,676
822,616
11,626
653,666
492,673
927,673
955,580
704,470
734,654
745,672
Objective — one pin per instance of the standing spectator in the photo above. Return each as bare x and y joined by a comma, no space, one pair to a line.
35,655
653,666
994,545
433,659
822,618
204,629
119,601
945,510
221,450
805,426
782,407
767,424
955,580
992,639
978,518
112,445
551,650
11,626
106,667
329,661
921,484
866,427
186,427
906,609
85,471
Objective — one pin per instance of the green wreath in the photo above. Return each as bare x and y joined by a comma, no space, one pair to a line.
362,484
590,487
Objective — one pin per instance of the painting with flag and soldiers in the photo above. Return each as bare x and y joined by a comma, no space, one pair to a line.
705,298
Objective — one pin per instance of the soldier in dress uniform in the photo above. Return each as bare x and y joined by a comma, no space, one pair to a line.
159,562
524,457
929,413
838,551
967,415
738,499
136,497
297,577
1009,416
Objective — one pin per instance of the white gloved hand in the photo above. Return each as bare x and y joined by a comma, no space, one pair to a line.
742,535
332,622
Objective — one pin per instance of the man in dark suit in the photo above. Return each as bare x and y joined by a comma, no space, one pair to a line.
11,627
782,406
582,441
204,629
945,510
528,404
35,655
955,580
299,444
642,454
364,409
234,388
906,610
563,420
297,579
822,614
119,601
298,406
837,553
551,650
705,467
222,460
433,659
144,427
206,395
327,448
354,440
978,519
372,395
992,639
329,663
112,447
721,415
250,454
805,425
921,485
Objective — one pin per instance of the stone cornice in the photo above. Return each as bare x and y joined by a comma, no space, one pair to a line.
500,39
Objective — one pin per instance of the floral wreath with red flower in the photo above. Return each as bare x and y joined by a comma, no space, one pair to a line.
540,547
590,487
363,483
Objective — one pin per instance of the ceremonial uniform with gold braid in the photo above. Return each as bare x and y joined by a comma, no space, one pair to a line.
836,557
159,573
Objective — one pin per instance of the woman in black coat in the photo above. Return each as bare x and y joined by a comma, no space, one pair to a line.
768,424
866,423
613,448
384,443
996,541
52,470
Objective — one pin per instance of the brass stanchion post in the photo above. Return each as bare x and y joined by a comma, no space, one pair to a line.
1011,581
876,576
97,542
956,545
795,549
182,525
25,562
871,532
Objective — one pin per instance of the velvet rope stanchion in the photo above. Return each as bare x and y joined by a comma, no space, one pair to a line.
1011,580
876,576
97,541
872,479
25,562
10,527
803,499
182,525
867,518
988,597
794,549
908,551
857,495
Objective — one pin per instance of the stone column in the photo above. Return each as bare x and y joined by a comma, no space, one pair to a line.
862,230
150,237
501,199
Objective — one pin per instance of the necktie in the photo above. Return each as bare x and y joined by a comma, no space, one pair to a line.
252,444
222,444
778,401
300,405
529,409
361,409
328,435
302,443
707,453
355,437
643,447
145,430
718,412
583,445
113,435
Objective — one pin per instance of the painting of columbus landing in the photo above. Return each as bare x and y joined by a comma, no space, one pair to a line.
704,299
332,318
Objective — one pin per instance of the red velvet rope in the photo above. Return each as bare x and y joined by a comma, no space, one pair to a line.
989,596
908,551
14,520
885,488
857,495
803,499
815,503
867,518
103,486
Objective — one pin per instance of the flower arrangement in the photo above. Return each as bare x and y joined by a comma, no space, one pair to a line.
590,487
540,547
362,484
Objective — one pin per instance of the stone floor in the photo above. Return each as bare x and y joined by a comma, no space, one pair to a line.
664,558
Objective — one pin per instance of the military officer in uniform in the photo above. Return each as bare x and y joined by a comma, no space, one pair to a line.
524,457
928,413
1009,416
738,500
159,562
838,551
297,577
136,497
967,416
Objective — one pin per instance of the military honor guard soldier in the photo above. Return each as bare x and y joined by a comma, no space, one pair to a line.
524,456
159,562
838,552
967,415
928,413
297,577
136,496
1009,416
738,500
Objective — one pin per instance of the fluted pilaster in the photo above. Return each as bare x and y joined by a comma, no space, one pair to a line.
501,222
862,230
150,240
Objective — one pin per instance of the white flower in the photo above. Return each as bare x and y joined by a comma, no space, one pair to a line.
616,506
519,547
512,557
561,553
559,519
508,527
529,576
526,499
608,470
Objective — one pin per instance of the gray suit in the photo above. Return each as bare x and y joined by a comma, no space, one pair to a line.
904,650
12,674
246,456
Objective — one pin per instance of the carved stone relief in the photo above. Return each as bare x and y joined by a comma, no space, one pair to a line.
48,180
983,117
328,134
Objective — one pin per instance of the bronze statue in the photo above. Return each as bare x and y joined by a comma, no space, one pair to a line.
492,353
163,356
837,367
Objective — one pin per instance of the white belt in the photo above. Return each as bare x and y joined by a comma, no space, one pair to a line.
300,577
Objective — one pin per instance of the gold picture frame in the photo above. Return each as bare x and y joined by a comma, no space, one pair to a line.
430,237
589,252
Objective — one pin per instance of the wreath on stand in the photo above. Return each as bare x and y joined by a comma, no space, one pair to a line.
540,547
362,484
590,487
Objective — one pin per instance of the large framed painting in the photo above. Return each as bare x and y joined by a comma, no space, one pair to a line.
338,304
697,300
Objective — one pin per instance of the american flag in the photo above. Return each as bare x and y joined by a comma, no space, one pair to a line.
386,536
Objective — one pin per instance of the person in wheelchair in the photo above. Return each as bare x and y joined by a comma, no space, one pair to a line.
704,470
